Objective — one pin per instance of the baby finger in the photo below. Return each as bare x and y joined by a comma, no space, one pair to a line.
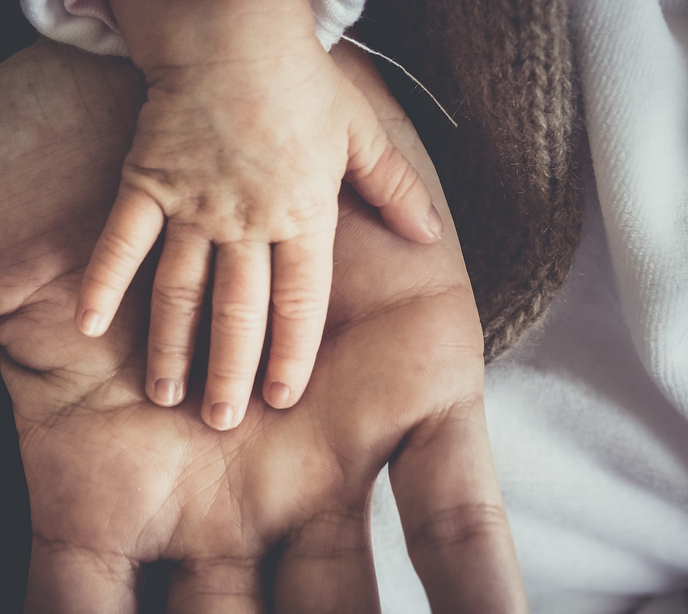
130,232
176,304
302,278
241,294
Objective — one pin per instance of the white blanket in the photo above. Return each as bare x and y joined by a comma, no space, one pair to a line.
589,415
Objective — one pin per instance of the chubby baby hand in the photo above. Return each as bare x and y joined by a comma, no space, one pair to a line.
239,164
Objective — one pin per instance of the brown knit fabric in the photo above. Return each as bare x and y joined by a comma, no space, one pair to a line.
509,170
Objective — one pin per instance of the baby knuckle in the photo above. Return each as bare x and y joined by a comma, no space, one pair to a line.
298,306
110,279
229,371
404,183
231,317
118,248
299,355
311,212
133,172
159,348
180,299
373,154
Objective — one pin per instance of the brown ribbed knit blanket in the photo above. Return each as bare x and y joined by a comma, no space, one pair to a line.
510,169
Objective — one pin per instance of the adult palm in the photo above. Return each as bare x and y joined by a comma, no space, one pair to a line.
115,481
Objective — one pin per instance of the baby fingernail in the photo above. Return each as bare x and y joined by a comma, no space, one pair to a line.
434,222
90,323
222,416
279,395
166,391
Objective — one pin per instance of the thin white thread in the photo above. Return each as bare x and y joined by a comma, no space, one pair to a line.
406,72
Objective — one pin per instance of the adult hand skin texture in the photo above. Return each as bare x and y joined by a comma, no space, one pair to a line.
116,481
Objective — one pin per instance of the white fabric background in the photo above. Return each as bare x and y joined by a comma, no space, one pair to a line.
588,416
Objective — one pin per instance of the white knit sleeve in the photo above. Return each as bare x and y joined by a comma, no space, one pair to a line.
89,24
332,17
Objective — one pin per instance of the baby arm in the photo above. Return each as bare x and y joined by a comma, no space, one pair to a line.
239,153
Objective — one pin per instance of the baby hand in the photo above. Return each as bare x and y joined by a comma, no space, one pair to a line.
240,163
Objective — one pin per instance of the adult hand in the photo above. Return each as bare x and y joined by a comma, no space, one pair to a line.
115,481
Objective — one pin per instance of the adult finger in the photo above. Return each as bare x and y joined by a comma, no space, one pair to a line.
328,567
131,230
241,294
216,586
453,516
302,278
68,580
178,293
383,176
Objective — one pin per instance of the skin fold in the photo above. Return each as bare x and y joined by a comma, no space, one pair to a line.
116,481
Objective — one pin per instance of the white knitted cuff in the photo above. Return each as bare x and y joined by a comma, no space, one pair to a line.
89,25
